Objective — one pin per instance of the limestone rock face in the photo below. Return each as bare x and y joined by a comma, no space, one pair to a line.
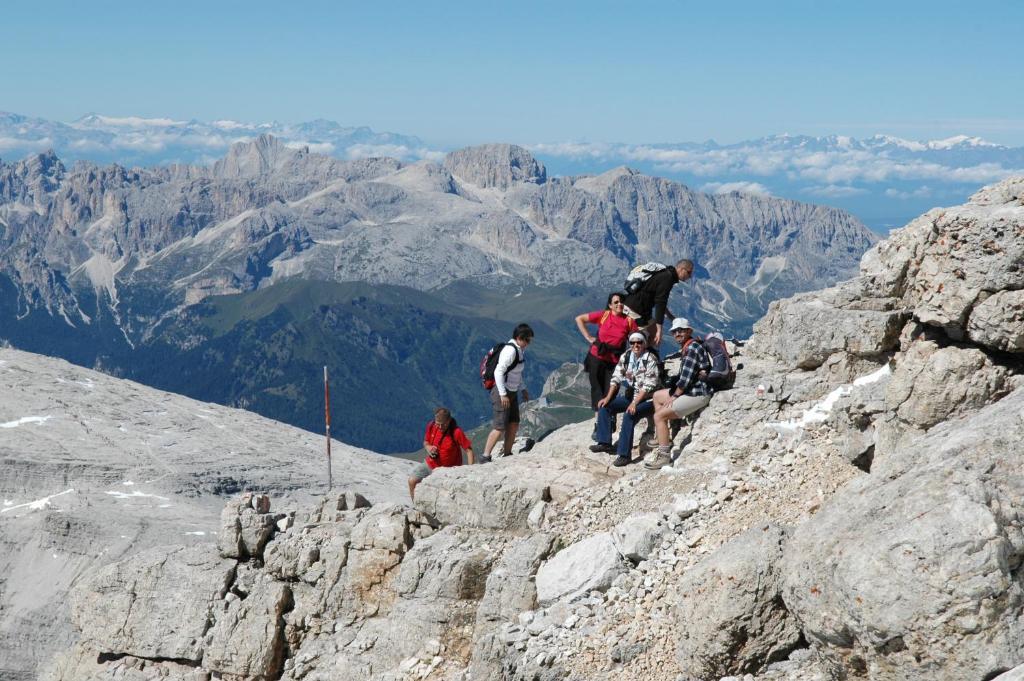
807,329
500,497
931,384
495,165
156,604
998,321
731,619
248,638
914,571
948,261
97,469
588,565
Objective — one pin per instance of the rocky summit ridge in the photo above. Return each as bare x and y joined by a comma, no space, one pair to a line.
92,243
96,469
851,509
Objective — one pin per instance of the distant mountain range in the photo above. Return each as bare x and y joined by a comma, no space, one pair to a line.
884,180
235,282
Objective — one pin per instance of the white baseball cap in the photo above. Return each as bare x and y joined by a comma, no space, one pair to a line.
637,336
680,323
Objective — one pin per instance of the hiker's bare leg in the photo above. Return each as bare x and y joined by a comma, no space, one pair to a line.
412,488
661,398
662,416
510,437
492,439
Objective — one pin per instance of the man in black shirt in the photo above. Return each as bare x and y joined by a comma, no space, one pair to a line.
649,303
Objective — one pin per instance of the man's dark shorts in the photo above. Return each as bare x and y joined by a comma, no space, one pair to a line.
503,417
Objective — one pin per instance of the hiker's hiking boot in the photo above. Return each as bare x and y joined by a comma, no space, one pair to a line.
602,447
621,461
485,458
656,460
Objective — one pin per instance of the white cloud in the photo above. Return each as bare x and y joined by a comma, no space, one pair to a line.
134,121
315,147
921,192
835,191
829,163
230,125
743,187
25,145
399,151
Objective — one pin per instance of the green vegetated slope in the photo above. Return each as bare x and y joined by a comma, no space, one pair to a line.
392,353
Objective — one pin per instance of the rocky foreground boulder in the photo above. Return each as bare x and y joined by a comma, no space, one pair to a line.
852,509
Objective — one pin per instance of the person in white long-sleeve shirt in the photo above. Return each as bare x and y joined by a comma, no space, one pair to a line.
508,386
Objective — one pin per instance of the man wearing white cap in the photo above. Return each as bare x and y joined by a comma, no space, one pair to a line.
637,376
687,391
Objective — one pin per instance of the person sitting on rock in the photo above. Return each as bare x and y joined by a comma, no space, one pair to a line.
648,305
637,375
688,393
444,441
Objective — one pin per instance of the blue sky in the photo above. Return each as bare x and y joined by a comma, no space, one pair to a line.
459,73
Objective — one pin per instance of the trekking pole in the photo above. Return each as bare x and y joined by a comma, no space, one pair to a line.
327,418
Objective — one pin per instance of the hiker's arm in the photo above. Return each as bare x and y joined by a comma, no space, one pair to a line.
638,397
581,324
663,288
612,390
463,442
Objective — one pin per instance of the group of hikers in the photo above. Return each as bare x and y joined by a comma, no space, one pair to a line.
627,376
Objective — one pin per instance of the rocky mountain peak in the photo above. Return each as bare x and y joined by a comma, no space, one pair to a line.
495,165
262,156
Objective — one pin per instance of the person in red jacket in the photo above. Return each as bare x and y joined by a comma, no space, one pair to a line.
444,441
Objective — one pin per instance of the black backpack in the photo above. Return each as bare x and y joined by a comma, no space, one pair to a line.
490,362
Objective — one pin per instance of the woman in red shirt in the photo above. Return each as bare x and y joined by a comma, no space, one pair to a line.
444,442
613,328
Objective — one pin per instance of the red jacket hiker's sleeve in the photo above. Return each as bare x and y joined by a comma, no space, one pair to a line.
594,317
461,438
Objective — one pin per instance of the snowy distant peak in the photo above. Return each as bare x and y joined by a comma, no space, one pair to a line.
875,142
96,121
141,141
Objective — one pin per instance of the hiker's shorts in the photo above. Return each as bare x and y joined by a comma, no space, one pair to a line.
502,417
687,404
421,471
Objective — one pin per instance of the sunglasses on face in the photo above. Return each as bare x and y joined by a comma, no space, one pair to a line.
636,343
616,302
678,332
